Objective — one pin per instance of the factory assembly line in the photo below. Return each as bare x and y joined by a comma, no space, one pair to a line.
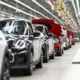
39,39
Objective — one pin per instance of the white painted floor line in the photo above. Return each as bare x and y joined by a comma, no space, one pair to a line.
77,56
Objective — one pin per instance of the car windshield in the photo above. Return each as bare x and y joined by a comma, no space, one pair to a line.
12,27
39,28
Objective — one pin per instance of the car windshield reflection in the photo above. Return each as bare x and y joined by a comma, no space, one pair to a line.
12,27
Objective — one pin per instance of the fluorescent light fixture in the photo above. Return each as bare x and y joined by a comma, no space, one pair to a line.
30,8
12,7
74,6
77,1
58,13
75,10
2,12
49,3
46,10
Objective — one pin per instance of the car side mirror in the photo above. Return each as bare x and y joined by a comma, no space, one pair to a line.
31,37
36,34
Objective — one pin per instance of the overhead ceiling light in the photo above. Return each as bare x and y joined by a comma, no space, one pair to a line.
77,1
48,1
58,13
12,7
46,10
2,12
30,8
75,10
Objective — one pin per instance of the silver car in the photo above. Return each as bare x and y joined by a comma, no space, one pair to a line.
4,58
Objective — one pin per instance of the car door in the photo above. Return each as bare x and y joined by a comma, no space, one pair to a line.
36,46
51,45
49,41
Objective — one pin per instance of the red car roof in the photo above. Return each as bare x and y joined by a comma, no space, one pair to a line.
44,21
51,25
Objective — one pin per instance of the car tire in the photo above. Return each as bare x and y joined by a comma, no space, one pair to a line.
40,64
5,70
53,55
29,70
70,46
65,48
59,53
62,51
46,58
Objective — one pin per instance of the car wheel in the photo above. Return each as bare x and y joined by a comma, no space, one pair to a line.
59,53
29,70
62,51
40,64
5,70
46,59
53,55
70,46
65,48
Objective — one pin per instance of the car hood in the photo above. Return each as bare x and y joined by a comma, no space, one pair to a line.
11,37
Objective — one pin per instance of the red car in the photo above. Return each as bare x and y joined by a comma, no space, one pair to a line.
58,46
73,41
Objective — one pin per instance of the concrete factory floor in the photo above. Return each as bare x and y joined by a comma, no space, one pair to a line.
61,68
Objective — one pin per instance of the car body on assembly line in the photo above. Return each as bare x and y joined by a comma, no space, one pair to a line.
48,42
59,49
76,39
4,58
25,49
66,43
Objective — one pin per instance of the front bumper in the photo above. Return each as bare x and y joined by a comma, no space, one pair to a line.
57,47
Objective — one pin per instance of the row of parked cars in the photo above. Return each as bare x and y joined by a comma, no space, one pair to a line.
24,45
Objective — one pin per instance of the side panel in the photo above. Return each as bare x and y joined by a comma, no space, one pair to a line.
51,45
36,48
3,49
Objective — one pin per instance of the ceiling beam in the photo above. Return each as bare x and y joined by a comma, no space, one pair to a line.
30,8
12,7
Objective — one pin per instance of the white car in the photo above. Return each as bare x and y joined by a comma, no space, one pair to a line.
66,43
48,42
4,58
25,50
76,39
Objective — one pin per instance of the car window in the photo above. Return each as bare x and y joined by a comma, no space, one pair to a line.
46,32
4,24
29,30
39,28
31,27
19,27
26,31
